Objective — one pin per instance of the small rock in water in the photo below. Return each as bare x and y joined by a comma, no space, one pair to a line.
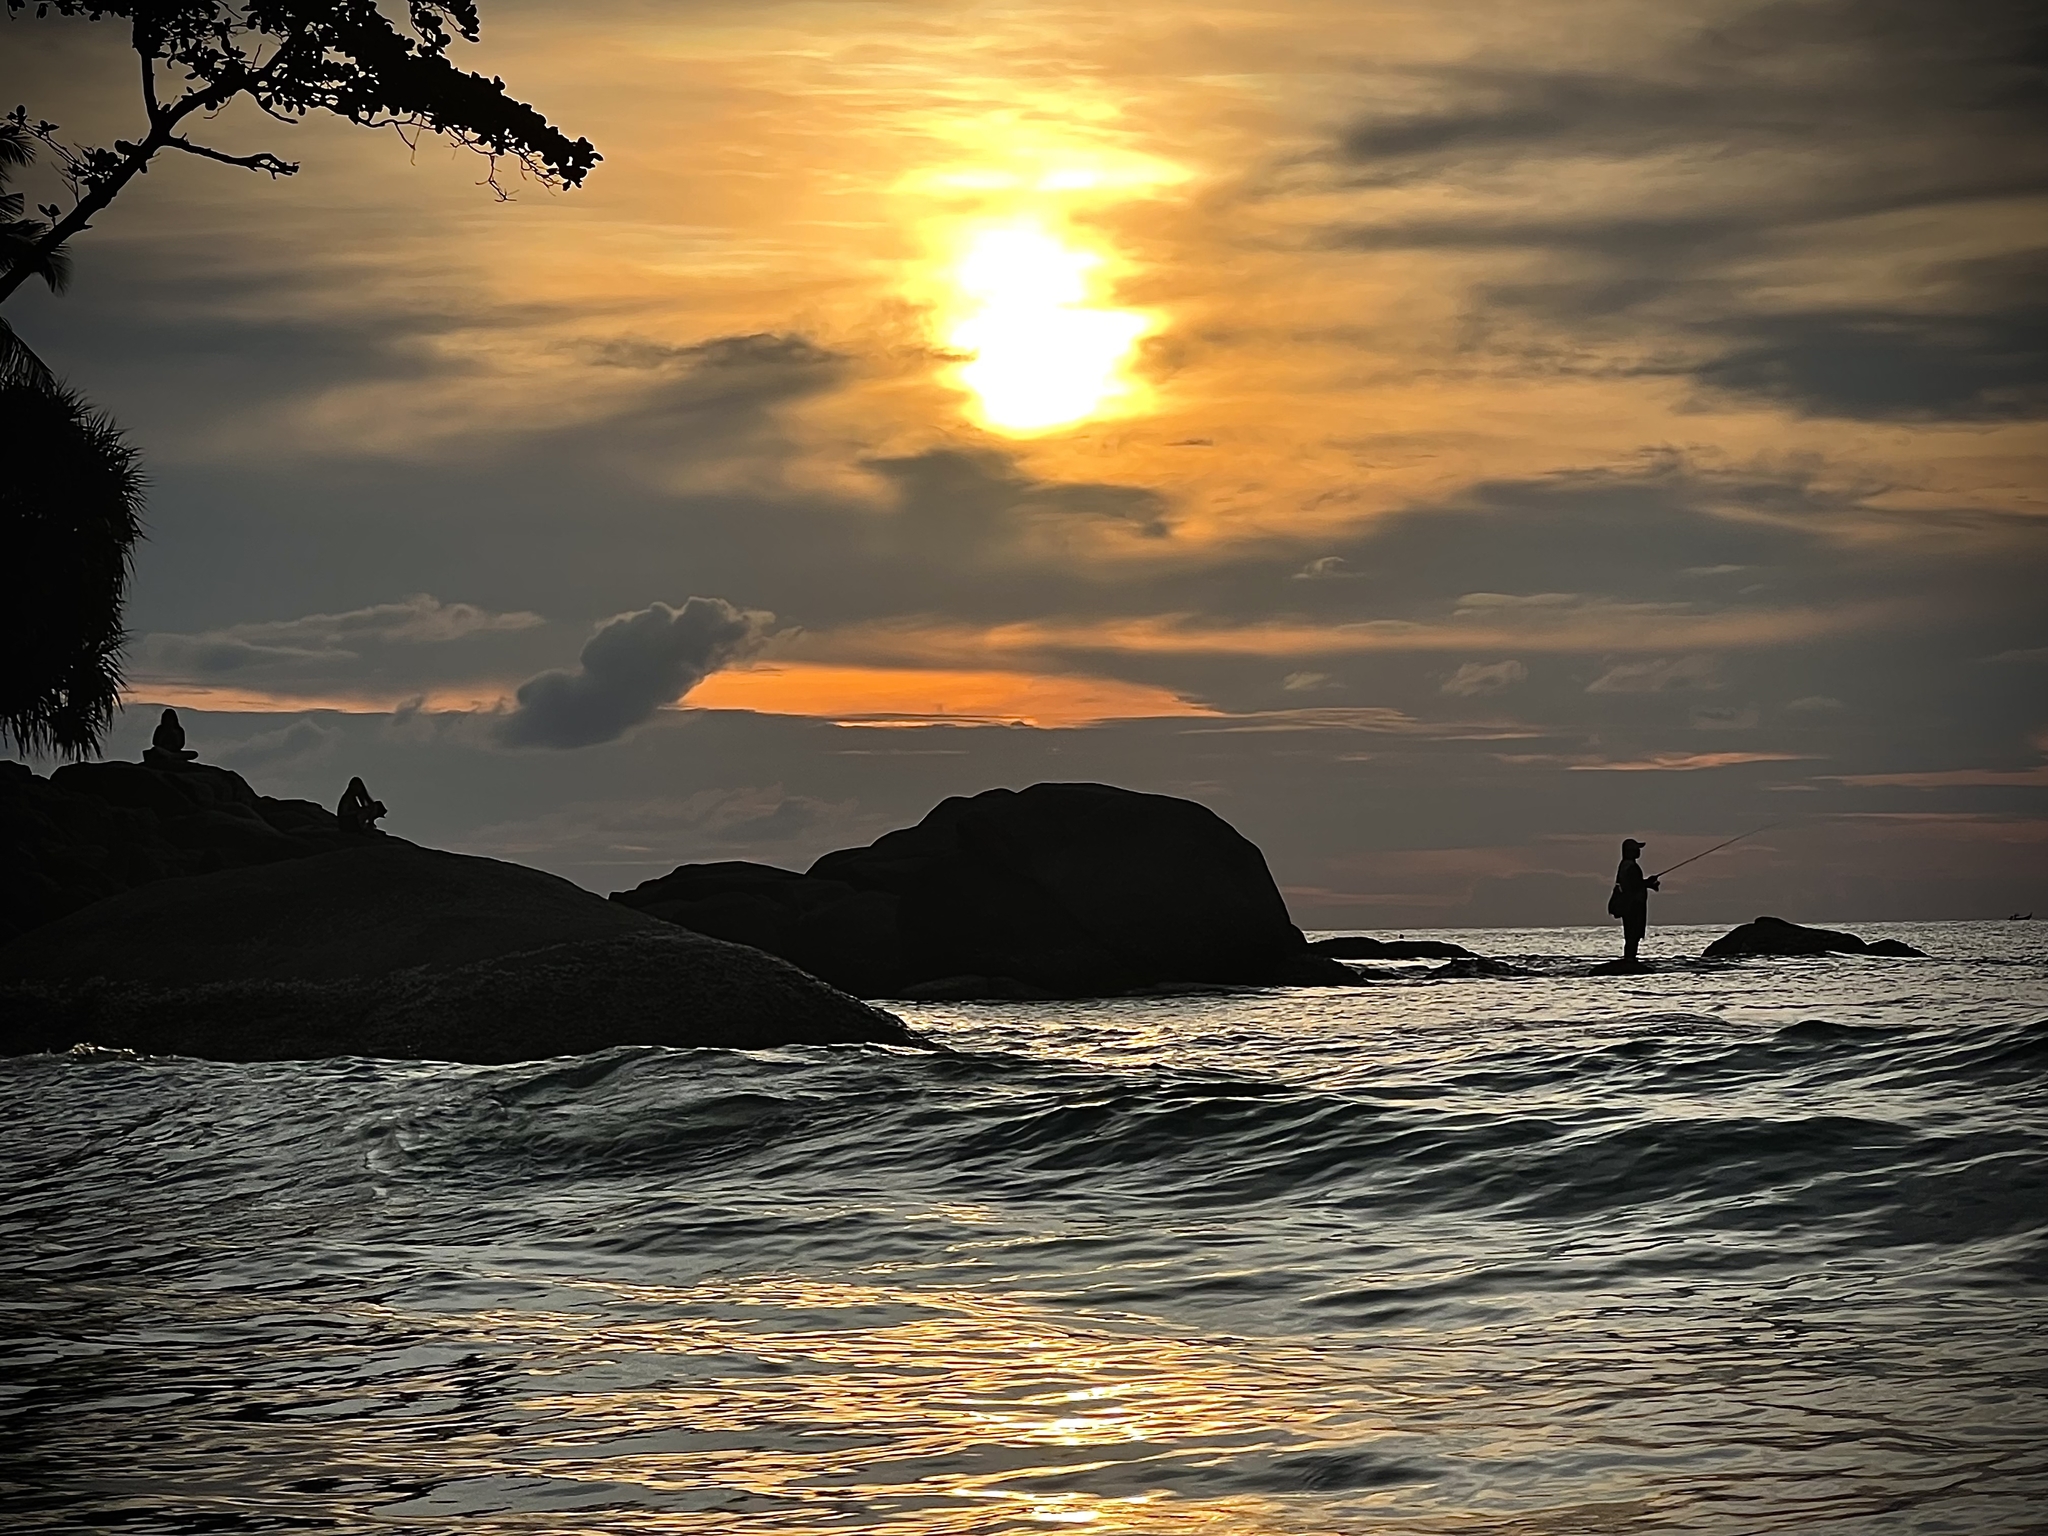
1775,936
1357,947
1476,965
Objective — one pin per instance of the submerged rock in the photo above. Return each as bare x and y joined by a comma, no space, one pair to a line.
1775,936
1358,947
1068,890
387,949
1468,966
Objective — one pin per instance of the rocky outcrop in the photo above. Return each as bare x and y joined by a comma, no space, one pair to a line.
1059,890
387,949
93,830
1358,947
1775,936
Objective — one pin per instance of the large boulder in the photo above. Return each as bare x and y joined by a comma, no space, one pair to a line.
387,949
1775,936
93,830
1064,890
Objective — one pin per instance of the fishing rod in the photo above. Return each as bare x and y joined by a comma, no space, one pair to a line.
1715,849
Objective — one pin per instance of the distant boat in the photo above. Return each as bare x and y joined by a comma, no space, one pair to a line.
2021,917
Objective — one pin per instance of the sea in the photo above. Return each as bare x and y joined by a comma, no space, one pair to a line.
1743,1247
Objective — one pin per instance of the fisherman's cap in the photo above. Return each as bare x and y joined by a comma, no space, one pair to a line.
1629,842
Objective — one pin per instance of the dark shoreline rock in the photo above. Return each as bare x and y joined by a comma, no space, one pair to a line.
93,830
387,949
1059,890
1775,936
1358,947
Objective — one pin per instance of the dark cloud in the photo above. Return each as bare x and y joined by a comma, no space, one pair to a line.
1738,149
299,744
960,500
714,387
1894,103
316,650
761,349
1496,112
632,666
1889,365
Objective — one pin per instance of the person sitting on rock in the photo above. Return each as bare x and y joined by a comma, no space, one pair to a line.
357,812
1631,899
167,744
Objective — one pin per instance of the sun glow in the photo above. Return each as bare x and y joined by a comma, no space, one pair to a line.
1040,352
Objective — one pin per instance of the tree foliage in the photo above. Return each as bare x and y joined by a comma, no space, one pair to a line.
291,58
70,513
70,488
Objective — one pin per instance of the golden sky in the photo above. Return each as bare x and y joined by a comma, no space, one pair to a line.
1046,366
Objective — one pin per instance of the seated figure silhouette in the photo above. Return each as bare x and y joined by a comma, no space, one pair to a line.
357,812
1631,899
167,744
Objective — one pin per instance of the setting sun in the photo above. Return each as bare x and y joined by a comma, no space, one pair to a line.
1040,352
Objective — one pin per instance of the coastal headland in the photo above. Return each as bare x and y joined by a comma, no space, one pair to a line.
172,909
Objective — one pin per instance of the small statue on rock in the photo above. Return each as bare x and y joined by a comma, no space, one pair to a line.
167,747
357,812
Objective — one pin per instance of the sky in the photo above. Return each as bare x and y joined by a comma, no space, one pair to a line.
1444,440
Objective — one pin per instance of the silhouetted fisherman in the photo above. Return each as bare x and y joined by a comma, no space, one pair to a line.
357,812
1631,899
167,743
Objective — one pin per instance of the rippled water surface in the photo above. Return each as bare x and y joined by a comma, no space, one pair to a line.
1737,1248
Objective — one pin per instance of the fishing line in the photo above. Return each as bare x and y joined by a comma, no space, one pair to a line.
1716,849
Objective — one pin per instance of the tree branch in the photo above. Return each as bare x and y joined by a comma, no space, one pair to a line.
149,100
263,160
93,197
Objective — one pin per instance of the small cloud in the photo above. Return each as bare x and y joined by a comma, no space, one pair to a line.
1951,778
1326,568
1725,719
1308,682
633,665
2027,658
1657,676
1712,570
1481,601
1815,704
1687,762
1475,677
764,348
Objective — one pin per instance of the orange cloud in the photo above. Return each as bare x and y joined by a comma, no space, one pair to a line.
1970,778
907,696
1590,626
251,701
1688,762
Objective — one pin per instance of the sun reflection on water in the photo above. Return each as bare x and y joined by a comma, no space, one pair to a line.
831,1406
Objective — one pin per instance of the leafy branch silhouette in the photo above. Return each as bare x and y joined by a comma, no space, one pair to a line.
291,58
